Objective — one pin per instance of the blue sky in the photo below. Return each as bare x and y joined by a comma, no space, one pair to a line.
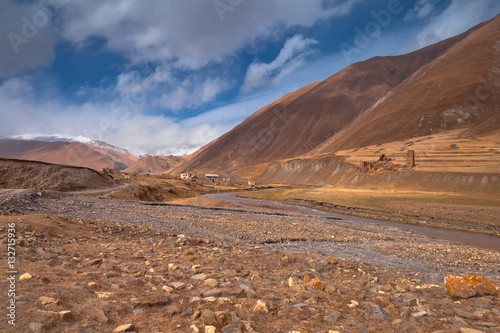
168,76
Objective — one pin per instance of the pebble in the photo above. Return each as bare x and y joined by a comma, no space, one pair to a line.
36,328
379,312
261,306
212,283
419,314
469,330
124,328
212,293
199,277
210,329
231,329
96,313
177,285
209,317
465,314
48,300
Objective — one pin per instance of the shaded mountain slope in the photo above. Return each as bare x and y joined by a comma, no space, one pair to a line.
460,89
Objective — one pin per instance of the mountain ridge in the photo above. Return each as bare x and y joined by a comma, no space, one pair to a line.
96,155
299,122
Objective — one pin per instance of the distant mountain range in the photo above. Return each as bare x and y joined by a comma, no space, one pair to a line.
83,151
63,150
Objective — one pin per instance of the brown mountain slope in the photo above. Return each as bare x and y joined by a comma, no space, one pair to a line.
302,120
460,89
156,164
67,153
20,174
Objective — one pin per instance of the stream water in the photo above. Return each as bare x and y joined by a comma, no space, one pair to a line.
462,237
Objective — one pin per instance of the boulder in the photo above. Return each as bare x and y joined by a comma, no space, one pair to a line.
469,286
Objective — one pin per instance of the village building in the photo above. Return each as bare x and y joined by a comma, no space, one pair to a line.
211,176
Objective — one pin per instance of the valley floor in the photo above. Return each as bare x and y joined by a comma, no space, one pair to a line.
456,211
113,262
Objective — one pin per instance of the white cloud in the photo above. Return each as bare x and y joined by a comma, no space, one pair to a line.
188,34
117,123
17,88
131,83
27,40
290,57
22,113
425,10
191,93
459,16
421,10
164,90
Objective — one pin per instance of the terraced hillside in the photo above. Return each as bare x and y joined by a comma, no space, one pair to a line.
444,152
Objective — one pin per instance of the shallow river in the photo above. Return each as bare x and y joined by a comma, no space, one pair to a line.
462,237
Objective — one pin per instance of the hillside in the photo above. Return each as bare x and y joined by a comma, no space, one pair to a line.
457,90
95,156
300,121
444,162
19,174
156,164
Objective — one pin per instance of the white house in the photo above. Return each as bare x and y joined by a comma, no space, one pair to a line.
211,176
185,175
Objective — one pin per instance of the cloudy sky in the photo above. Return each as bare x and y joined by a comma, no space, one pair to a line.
168,76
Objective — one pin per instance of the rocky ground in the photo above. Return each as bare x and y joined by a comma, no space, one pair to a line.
97,264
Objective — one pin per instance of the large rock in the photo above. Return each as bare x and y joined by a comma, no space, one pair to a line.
469,286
